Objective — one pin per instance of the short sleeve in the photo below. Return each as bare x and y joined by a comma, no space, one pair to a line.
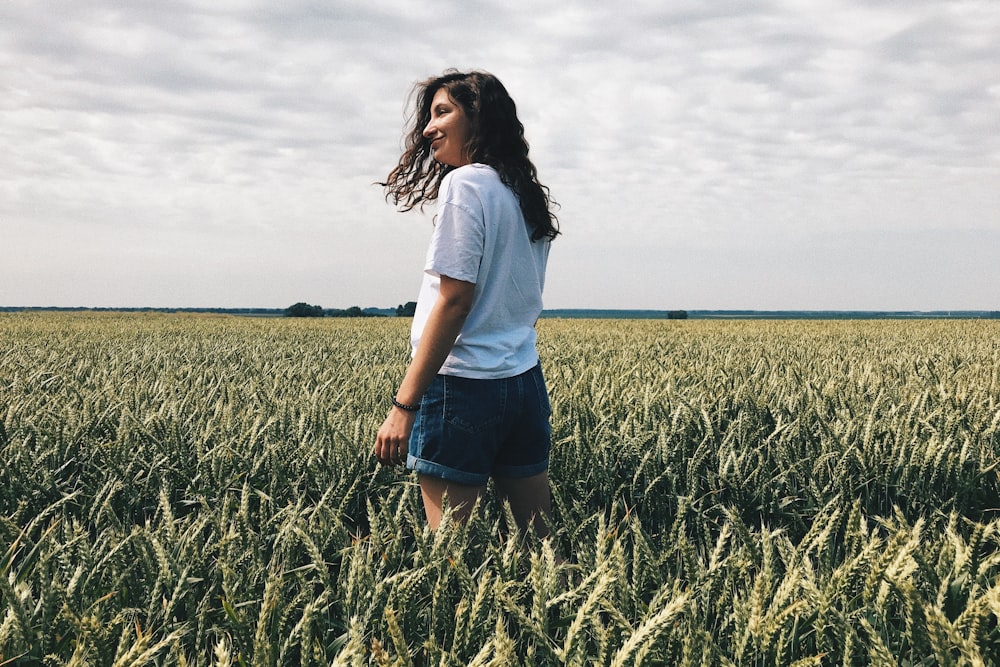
458,242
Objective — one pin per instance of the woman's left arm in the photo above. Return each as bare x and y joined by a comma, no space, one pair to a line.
444,323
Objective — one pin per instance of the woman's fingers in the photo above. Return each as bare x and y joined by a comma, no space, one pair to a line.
390,454
393,438
391,444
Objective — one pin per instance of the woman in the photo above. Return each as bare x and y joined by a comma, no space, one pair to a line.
473,403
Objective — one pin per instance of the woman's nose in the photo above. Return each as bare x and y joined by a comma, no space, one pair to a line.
429,130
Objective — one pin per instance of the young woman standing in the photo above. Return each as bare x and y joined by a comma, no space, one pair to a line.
473,403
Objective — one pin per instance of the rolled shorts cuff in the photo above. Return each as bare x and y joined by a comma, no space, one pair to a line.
520,472
426,467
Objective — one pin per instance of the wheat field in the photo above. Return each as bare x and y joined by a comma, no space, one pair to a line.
186,490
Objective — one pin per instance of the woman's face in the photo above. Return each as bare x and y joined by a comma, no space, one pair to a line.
448,130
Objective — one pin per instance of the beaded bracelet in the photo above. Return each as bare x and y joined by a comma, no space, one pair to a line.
404,406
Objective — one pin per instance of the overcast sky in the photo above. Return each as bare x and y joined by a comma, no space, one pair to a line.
828,154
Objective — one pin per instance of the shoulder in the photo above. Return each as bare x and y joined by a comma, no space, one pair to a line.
476,176
477,185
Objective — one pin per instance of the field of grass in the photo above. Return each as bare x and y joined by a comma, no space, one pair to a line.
190,490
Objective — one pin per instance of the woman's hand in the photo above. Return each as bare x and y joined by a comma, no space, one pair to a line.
393,440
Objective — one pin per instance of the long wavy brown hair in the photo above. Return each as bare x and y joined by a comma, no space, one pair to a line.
496,139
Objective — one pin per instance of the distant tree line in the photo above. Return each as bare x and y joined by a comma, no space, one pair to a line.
408,309
302,309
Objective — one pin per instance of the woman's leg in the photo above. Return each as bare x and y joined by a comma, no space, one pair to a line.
530,500
461,498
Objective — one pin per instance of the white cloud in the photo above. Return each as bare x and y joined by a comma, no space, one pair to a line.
235,144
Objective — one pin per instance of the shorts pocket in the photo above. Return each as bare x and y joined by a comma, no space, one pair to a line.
543,393
472,405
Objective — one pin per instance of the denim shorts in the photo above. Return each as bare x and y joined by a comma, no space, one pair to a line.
470,430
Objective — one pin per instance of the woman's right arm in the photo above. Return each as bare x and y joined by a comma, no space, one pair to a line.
444,323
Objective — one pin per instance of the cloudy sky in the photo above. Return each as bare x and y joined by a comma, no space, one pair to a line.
830,154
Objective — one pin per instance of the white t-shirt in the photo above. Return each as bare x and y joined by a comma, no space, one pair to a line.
480,237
